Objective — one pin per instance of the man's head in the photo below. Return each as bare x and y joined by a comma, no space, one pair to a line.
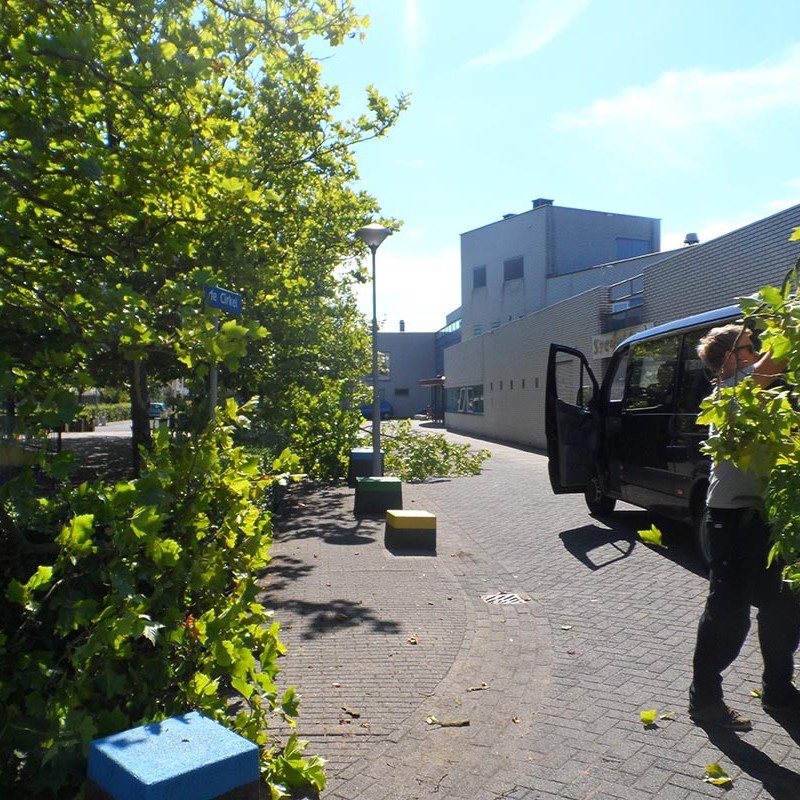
725,349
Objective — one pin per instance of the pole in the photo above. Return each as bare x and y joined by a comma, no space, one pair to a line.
377,470
213,377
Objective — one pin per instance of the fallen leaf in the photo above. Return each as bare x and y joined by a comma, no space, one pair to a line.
340,617
412,639
566,627
668,715
336,685
516,720
355,714
651,535
457,723
755,693
648,717
716,774
480,688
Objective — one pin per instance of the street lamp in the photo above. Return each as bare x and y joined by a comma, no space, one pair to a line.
373,235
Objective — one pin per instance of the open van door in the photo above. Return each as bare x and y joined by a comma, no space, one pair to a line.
570,426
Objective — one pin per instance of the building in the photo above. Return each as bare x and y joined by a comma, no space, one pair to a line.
405,359
495,377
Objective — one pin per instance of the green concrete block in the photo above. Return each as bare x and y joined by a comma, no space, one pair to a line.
377,495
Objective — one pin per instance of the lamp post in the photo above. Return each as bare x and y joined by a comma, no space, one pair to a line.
373,235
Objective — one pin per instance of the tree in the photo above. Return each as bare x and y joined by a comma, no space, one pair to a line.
149,148
760,427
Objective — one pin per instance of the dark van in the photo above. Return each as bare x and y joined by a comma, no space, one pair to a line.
635,437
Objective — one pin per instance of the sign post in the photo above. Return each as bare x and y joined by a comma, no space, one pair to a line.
216,297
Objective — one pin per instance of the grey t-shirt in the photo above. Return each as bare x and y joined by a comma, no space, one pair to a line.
729,486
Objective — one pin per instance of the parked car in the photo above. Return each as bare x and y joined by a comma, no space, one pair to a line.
387,411
156,410
635,437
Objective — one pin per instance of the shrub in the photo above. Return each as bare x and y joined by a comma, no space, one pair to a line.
147,608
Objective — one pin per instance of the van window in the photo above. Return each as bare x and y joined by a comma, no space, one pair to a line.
651,371
616,389
695,383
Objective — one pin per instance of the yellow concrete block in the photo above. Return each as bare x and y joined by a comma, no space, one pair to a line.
418,520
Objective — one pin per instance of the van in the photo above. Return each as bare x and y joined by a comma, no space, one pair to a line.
634,437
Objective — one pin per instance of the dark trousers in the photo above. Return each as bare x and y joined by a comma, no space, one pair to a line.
739,578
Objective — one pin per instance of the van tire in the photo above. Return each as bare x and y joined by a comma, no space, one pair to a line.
701,537
598,503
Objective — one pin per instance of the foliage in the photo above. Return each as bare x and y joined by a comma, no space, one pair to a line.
131,603
759,428
415,456
151,148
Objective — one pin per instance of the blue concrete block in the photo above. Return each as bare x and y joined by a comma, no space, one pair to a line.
360,464
182,758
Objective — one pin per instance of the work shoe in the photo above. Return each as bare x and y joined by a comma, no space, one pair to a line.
719,715
788,704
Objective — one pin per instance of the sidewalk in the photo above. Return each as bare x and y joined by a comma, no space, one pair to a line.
552,686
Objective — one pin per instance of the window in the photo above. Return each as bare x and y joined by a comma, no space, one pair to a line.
384,370
465,399
650,380
513,269
401,393
695,383
478,277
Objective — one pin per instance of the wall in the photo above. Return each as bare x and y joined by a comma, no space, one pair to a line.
412,357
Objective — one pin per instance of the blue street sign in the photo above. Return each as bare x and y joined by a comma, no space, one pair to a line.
222,298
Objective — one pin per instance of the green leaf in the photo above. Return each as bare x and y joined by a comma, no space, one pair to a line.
795,235
651,535
716,774
648,717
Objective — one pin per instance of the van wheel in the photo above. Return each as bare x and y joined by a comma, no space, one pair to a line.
599,504
701,537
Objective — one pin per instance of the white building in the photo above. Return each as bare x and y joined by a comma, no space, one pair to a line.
575,277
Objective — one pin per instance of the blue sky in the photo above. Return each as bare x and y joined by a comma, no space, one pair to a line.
684,111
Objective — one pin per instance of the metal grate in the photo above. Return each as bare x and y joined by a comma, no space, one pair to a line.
504,598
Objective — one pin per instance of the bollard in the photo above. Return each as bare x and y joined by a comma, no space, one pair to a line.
189,757
360,464
413,531
376,495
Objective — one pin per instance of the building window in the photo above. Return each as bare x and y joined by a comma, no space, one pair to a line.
627,304
513,269
477,330
478,277
465,399
401,392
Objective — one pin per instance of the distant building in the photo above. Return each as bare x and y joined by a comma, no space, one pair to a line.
585,279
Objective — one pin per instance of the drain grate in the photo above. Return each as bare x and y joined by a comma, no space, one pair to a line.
504,598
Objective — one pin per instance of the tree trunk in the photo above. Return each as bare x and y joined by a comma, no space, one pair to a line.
140,419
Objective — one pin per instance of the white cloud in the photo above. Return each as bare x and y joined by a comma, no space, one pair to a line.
419,288
540,21
711,229
695,98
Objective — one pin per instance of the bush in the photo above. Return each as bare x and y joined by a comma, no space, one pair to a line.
145,609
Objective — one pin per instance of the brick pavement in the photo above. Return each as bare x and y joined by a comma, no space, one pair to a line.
607,632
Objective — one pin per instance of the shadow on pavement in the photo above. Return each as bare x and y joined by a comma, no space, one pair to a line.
780,783
613,537
598,547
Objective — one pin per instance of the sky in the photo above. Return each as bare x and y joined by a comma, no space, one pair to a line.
687,111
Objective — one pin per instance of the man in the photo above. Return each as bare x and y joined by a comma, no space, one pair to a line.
739,577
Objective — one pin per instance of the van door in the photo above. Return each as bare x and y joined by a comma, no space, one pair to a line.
571,428
643,439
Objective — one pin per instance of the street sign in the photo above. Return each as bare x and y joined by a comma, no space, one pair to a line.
222,298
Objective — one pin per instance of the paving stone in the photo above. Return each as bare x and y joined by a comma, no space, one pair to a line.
607,632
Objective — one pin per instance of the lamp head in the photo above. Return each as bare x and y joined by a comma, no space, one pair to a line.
373,235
